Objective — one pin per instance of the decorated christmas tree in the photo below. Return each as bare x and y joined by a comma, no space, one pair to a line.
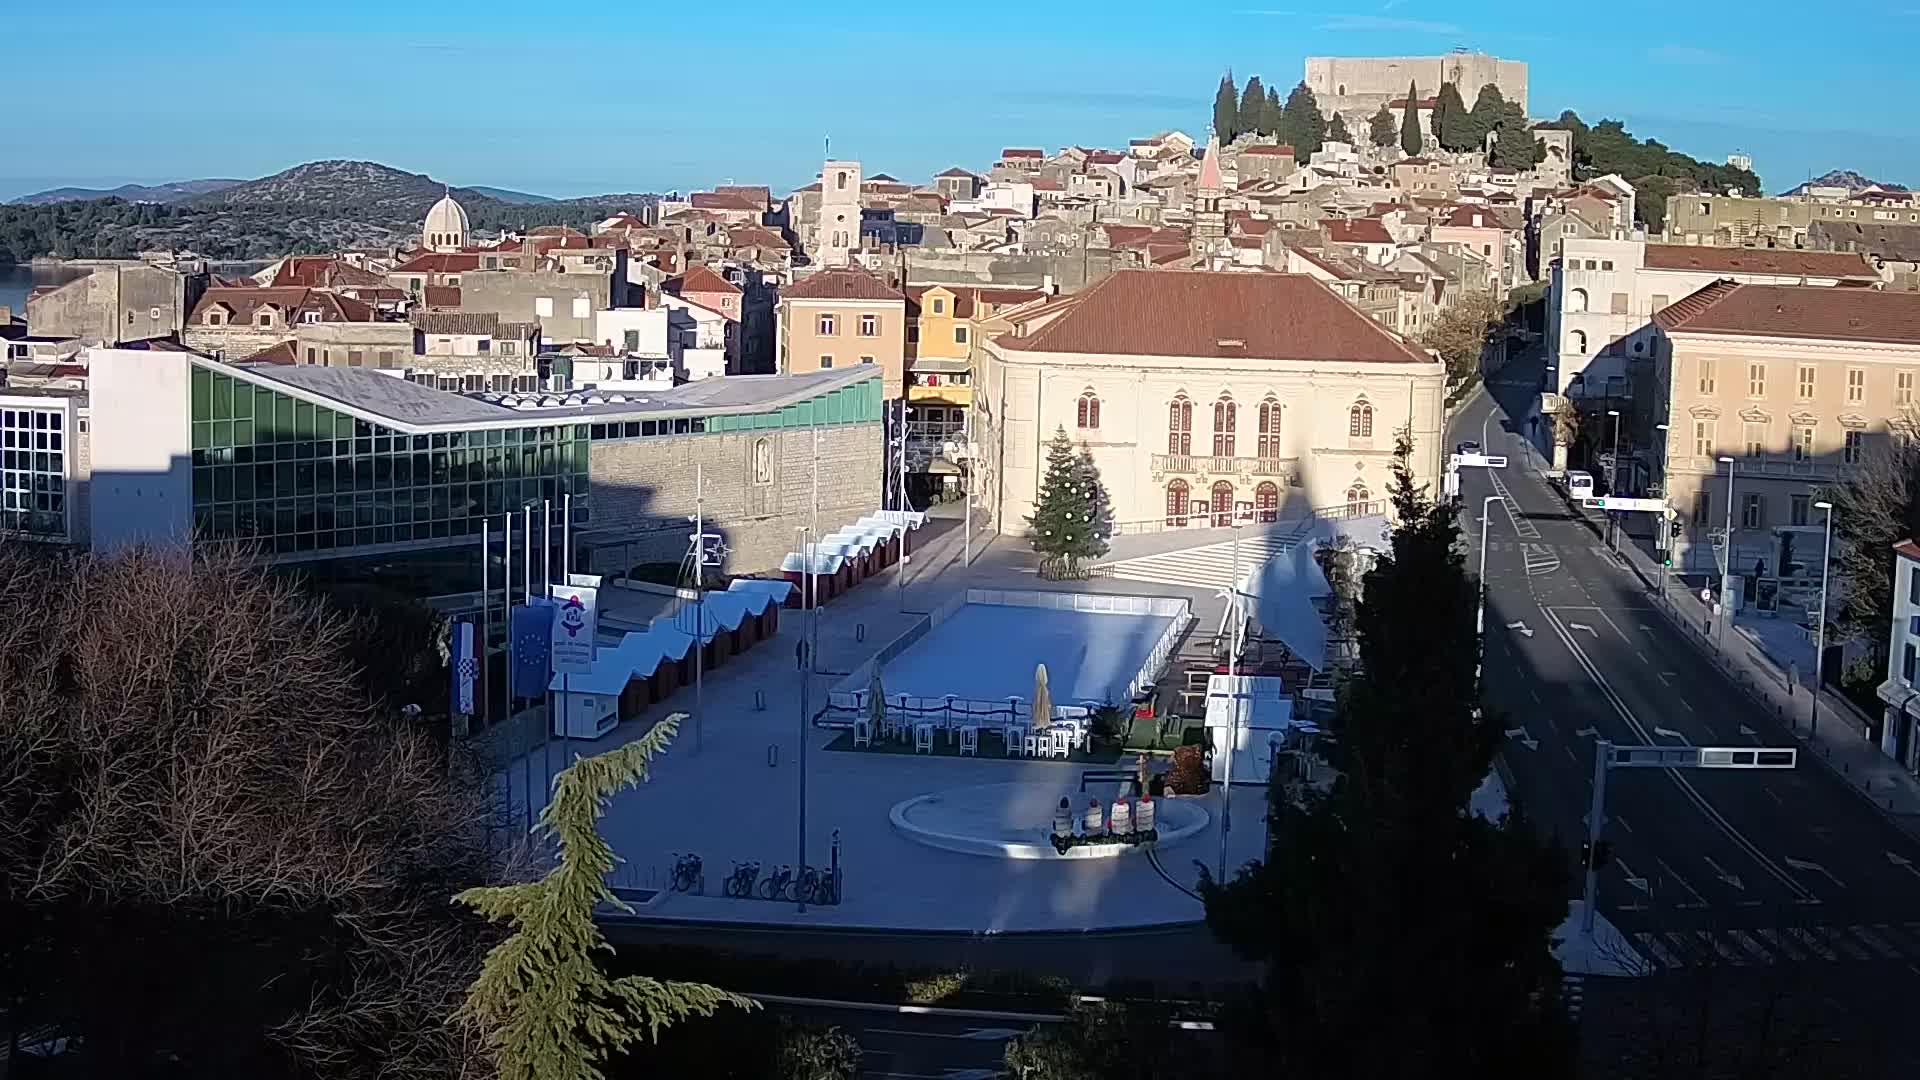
1069,523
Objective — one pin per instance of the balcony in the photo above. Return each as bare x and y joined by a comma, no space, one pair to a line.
1781,467
1212,467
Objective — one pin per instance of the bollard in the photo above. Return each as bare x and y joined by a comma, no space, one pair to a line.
760,700
773,755
860,632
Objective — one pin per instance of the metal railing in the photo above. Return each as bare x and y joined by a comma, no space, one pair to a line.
1213,465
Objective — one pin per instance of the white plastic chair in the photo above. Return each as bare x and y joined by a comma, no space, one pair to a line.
862,733
1030,745
1014,735
1059,742
923,738
969,741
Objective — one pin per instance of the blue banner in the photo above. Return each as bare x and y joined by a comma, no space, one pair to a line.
531,641
466,668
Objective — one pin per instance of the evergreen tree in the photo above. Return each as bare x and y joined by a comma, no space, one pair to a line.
1102,503
1397,929
1337,130
1515,148
1489,109
1253,108
1301,123
1410,141
1449,116
1226,109
550,1012
1380,128
1270,118
1066,518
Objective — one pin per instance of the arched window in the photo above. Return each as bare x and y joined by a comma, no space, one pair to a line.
1222,503
1360,420
1266,501
1577,341
1270,428
1577,300
1177,503
1359,499
1086,412
1180,426
1226,417
840,181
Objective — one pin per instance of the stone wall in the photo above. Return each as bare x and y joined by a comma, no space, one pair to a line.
114,304
1069,273
642,492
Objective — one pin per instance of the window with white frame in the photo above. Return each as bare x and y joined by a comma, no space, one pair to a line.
1703,438
33,474
1707,382
1803,442
582,308
1856,385
543,306
1756,439
827,325
869,325
1805,383
1851,446
1903,388
1756,379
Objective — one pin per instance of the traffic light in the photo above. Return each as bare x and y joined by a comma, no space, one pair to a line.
1673,529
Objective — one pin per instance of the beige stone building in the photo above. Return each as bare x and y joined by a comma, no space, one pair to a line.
840,317
1202,395
1795,383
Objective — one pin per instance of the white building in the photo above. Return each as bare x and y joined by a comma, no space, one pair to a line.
700,335
1604,292
1203,394
1901,691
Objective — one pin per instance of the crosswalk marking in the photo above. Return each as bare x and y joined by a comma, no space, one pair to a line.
1205,566
1650,942
1874,941
1717,945
1746,941
1811,942
1766,945
1845,943
1780,944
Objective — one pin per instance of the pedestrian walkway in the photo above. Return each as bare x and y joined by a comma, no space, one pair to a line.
1775,945
1207,566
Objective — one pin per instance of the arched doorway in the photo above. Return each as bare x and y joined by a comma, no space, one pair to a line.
1222,503
1177,503
1359,499
1266,501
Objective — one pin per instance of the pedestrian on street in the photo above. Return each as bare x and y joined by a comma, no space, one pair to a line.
800,655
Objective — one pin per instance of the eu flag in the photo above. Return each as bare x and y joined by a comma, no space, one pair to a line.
531,641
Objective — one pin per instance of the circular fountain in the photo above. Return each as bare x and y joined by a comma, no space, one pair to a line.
1015,821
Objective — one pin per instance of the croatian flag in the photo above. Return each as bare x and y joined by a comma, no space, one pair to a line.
466,668
531,639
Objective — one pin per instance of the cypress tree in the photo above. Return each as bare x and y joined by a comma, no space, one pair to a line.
1067,518
1253,108
1449,112
1380,128
1410,141
547,1007
1270,117
1337,130
1226,109
1301,123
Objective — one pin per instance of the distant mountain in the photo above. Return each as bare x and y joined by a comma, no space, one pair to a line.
507,195
177,191
363,190
1845,178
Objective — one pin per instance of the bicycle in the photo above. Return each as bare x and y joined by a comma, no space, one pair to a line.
740,883
777,883
688,876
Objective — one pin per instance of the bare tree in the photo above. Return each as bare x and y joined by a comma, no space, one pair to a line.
1460,334
216,845
1878,506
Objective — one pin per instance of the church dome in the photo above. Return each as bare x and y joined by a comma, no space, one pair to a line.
446,225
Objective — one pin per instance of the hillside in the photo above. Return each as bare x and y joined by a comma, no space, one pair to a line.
176,191
316,207
507,195
1845,178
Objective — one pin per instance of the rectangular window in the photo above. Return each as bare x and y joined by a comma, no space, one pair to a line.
869,360
1903,388
1798,507
827,325
543,306
356,358
631,340
385,358
1706,376
1703,440
1619,304
826,361
939,306
1806,382
913,334
1803,442
869,325
1907,658
1659,301
1753,511
1856,385
582,308
1756,440
959,335
1756,379
1913,586
1606,264
484,346
1850,448
1702,507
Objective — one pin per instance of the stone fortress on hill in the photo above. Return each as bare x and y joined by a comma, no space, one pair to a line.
1356,86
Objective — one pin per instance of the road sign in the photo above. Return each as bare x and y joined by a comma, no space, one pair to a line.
1609,502
1484,461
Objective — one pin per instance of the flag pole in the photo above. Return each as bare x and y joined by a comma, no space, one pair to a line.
546,727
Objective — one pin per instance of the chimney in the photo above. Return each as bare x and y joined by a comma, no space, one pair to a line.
1046,284
1476,221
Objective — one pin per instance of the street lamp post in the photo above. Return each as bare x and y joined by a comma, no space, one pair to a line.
1726,565
1664,540
1613,481
1820,623
1486,520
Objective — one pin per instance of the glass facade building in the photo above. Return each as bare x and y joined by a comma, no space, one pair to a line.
302,480
33,471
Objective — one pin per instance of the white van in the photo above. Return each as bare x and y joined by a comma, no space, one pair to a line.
1579,485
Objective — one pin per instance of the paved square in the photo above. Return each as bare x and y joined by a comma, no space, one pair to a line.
987,652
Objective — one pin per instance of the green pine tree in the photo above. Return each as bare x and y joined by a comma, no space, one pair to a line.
1065,520
1380,128
1515,148
1301,123
549,1010
1337,130
1226,109
1270,117
1449,113
1410,141
1434,936
1102,504
1253,108
1489,108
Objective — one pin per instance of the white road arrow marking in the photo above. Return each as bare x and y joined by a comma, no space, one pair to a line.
1903,863
1647,628
1721,873
1668,733
1812,868
1586,732
1746,731
1583,626
1522,627
1526,740
1637,882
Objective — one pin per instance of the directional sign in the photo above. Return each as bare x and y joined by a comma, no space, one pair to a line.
1484,461
1721,873
1609,502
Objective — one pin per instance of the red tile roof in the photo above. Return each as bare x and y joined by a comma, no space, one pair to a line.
759,193
1269,150
756,236
244,301
322,271
1218,316
1471,217
1105,157
1358,231
715,200
442,296
1908,548
438,262
1720,260
701,279
1021,152
955,171
282,353
840,283
1796,311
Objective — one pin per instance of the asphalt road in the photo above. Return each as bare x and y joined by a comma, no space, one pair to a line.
1713,869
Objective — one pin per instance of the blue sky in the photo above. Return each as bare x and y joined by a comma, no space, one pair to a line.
577,99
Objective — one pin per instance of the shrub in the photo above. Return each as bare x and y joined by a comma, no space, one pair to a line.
1189,775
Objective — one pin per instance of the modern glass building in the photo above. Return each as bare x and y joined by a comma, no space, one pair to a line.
40,433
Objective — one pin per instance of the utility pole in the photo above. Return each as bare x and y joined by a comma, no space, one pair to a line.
1820,621
808,594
